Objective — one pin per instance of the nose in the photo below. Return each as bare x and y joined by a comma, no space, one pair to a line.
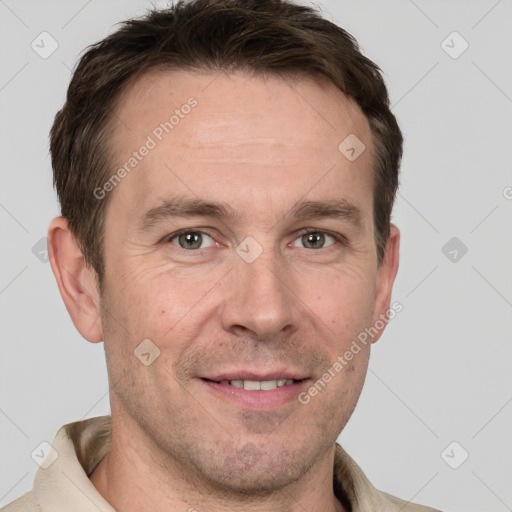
260,301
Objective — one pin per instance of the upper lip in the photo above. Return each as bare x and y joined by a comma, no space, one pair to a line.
257,375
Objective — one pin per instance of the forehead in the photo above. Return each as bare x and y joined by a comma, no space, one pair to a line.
270,103
237,137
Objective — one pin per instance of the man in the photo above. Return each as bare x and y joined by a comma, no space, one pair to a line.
226,172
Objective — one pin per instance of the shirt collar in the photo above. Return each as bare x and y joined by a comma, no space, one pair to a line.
81,446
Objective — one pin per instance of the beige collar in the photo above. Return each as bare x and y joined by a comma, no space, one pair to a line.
65,485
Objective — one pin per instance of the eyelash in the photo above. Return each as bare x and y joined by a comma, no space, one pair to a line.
337,236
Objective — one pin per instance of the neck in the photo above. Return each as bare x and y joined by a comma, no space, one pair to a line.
135,477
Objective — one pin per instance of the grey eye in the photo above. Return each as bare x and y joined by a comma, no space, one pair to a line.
192,240
315,240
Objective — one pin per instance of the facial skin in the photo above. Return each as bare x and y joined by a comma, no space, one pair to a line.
261,146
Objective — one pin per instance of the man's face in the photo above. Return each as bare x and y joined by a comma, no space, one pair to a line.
279,306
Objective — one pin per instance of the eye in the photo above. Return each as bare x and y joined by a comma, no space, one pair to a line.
315,239
192,240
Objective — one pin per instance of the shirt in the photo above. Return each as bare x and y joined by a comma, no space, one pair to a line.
62,484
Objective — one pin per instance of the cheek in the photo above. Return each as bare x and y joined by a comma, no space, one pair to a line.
156,303
343,301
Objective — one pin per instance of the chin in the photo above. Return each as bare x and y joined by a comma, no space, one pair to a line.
257,482
252,472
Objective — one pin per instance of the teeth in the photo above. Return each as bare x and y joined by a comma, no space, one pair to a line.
266,385
256,385
252,385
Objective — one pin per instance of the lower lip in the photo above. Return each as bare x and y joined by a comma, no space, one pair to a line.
258,400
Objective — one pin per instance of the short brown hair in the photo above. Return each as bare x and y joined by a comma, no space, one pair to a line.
258,36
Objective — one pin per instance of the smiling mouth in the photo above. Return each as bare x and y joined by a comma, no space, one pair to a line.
256,385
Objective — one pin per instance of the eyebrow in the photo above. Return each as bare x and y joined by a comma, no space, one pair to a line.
184,207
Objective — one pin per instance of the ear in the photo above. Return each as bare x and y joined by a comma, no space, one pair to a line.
385,279
77,282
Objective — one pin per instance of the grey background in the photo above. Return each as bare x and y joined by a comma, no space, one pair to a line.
441,371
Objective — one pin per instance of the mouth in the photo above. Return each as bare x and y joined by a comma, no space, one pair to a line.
257,393
256,385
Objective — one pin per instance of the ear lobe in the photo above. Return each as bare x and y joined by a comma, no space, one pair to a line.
77,282
385,279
